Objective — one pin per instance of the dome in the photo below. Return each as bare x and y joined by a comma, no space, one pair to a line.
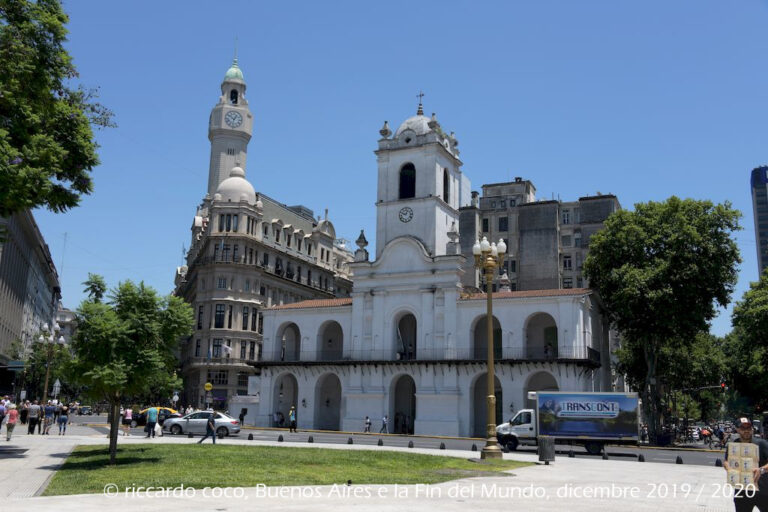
236,188
419,124
234,72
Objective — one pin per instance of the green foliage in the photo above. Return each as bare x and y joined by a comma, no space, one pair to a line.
660,271
95,287
749,341
47,149
35,363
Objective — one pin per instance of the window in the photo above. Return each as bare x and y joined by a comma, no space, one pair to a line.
250,256
266,231
216,347
265,260
200,317
322,254
242,349
309,249
485,225
247,285
567,262
503,223
221,283
229,222
566,216
229,318
262,291
261,326
254,321
279,266
221,222
277,236
245,318
298,273
567,282
288,238
298,243
219,377
407,181
234,253
219,318
252,351
234,222
502,204
233,96
216,252
242,379
309,278
579,282
512,266
446,186
248,224
225,252
493,204
197,348
577,239
565,240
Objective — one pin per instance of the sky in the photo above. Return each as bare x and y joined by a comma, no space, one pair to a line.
640,99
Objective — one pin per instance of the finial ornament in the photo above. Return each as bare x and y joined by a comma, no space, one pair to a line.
385,131
420,111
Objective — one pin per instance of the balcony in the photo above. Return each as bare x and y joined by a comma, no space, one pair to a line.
217,361
579,355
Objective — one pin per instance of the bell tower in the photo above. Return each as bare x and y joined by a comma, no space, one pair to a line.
229,128
420,184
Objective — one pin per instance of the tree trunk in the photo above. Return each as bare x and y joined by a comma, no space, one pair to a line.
114,427
650,388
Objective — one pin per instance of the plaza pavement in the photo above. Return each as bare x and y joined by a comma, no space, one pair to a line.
562,485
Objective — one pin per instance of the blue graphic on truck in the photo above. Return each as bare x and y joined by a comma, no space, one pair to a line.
603,415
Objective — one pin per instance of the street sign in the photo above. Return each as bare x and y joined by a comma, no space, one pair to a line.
175,398
208,386
16,366
56,387
23,395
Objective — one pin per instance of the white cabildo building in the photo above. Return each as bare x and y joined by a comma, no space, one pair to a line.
410,342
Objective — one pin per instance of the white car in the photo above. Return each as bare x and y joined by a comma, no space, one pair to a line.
196,423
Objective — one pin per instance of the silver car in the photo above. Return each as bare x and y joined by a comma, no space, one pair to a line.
196,422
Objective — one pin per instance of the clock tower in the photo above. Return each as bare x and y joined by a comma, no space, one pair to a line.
229,128
420,184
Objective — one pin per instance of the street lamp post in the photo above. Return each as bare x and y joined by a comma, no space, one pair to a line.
49,338
489,257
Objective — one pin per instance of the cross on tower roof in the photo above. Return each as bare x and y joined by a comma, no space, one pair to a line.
420,111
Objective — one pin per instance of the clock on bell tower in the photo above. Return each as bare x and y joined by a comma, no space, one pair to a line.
229,128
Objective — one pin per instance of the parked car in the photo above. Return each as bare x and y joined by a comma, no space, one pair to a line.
163,413
196,424
84,409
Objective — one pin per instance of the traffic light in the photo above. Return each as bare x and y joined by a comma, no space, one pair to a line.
723,388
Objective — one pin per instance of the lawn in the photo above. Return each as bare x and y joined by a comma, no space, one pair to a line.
87,470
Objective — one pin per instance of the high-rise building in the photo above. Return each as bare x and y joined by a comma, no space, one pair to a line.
547,240
248,251
760,210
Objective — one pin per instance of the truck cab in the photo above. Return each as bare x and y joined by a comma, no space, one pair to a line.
521,429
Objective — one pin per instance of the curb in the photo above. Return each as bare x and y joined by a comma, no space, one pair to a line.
349,432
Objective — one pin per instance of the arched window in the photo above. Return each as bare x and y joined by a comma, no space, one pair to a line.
446,186
407,181
233,96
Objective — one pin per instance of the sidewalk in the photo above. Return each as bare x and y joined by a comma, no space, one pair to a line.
567,484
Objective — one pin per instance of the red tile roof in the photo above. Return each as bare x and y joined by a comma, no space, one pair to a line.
318,303
530,293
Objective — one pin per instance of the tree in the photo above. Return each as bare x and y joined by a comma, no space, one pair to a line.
750,341
95,287
124,347
47,148
660,270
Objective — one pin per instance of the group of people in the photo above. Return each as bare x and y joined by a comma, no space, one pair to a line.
279,419
36,415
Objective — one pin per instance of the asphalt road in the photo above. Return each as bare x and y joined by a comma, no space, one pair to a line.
625,453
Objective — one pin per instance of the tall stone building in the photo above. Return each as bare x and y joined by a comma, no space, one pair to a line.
547,240
29,287
248,251
759,187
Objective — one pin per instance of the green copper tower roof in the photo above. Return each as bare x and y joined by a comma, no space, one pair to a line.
234,72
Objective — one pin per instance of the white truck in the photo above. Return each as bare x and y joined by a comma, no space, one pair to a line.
587,419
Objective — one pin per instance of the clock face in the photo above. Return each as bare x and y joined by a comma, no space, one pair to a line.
406,214
233,119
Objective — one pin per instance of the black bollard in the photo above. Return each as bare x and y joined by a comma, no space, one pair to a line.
605,456
410,444
250,437
280,438
381,443
349,482
474,447
571,454
679,460
311,439
718,463
641,458
442,446
190,435
349,441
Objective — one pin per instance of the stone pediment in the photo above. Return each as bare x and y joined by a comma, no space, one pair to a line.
403,254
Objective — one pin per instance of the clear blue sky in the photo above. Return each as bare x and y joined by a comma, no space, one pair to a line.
642,99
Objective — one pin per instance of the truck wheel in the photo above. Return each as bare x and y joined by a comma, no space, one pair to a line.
594,448
511,444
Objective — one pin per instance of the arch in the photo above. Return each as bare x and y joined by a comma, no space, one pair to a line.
406,329
330,341
541,336
289,344
407,181
233,96
284,395
539,381
446,186
479,336
479,404
402,412
328,402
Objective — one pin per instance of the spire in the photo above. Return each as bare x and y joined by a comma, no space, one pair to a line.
420,111
234,70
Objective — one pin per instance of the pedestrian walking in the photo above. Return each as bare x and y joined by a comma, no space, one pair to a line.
384,428
743,501
49,411
127,420
63,419
292,419
24,412
276,418
242,416
367,425
12,417
34,417
151,421
210,428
